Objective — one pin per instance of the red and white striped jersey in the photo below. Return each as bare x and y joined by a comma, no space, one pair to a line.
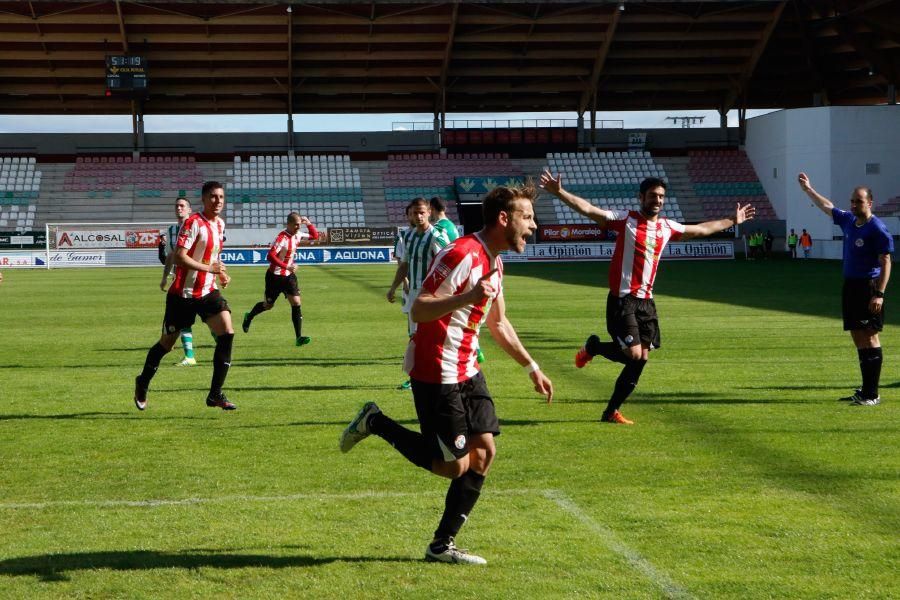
203,240
283,249
443,351
639,246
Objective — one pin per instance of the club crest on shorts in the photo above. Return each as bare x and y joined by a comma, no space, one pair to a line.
460,442
629,339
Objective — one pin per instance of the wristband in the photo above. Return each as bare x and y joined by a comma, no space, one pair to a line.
879,294
531,367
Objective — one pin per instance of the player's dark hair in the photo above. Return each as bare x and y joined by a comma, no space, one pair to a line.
417,202
500,199
868,192
180,198
210,186
293,216
438,204
650,183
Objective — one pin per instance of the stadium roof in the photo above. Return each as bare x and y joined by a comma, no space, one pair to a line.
431,57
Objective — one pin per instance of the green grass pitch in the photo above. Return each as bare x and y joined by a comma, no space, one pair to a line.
743,477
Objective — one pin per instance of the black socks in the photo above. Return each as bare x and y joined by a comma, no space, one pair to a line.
221,362
608,350
461,498
870,360
297,319
411,444
625,384
151,364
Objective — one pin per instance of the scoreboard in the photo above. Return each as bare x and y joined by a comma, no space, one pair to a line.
126,73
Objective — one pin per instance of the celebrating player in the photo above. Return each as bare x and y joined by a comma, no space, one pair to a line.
631,318
195,292
281,277
456,414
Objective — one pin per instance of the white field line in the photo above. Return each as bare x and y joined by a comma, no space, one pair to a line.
608,537
239,498
605,535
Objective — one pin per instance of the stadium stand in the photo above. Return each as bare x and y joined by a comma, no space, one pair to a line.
149,177
890,208
722,178
433,174
607,179
20,185
326,188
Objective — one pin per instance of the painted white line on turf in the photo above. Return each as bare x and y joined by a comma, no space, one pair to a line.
612,541
220,499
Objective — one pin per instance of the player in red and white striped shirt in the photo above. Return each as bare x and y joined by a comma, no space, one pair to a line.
281,277
195,292
631,318
461,292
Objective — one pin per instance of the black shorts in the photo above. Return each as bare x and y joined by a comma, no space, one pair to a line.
181,312
450,413
280,284
855,297
632,321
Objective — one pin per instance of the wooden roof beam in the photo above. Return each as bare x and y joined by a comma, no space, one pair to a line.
750,66
440,100
122,27
590,89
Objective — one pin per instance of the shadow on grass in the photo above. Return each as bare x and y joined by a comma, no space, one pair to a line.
100,416
315,362
54,567
273,388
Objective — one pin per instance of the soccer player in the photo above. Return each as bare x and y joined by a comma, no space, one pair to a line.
456,414
867,268
281,277
631,318
167,246
419,245
442,225
448,232
195,292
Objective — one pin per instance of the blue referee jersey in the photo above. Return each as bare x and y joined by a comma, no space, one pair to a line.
863,244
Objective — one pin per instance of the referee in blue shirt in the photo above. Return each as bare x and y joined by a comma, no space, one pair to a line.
867,267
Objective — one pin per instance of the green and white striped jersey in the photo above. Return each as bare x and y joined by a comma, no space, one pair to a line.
418,249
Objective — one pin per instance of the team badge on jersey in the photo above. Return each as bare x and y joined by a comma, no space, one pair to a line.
859,242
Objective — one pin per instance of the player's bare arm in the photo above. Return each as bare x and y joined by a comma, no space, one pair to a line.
399,277
506,337
741,214
823,203
576,203
429,307
167,269
877,302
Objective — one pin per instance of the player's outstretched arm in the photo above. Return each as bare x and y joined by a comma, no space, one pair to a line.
576,203
506,337
741,214
823,203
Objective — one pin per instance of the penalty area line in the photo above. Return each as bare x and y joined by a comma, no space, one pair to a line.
612,541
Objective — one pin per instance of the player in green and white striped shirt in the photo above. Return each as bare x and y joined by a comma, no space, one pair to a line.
417,248
167,256
444,226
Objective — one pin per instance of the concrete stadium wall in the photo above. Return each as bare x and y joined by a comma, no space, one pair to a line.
832,145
